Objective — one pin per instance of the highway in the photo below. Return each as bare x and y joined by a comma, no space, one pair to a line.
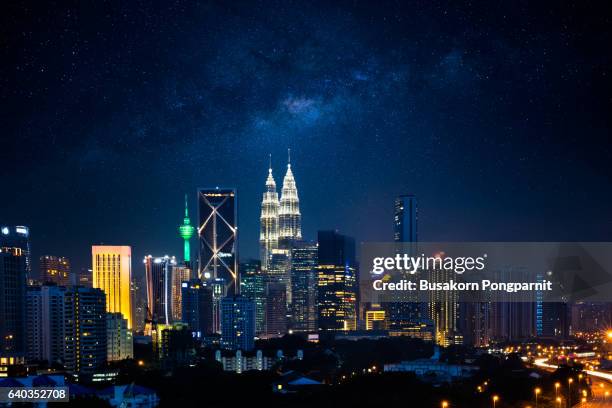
601,387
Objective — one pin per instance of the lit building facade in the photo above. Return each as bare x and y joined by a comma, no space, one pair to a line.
405,219
268,236
84,329
376,319
12,302
218,237
337,282
180,274
112,273
304,278
55,269
45,323
18,236
197,307
237,323
289,216
158,275
119,339
443,309
253,287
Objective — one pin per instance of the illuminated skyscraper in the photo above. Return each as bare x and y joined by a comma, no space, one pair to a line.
180,274
112,272
289,217
186,231
55,269
18,237
253,287
218,237
268,237
12,302
197,307
158,275
443,309
405,219
304,287
337,281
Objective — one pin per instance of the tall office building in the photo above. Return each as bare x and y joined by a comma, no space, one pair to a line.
197,307
12,301
218,237
55,269
237,323
289,216
337,282
303,308
268,236
112,272
45,323
180,274
18,236
85,329
253,287
276,309
407,312
119,340
186,231
158,273
405,219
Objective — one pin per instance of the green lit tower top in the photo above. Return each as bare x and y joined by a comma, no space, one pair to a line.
186,232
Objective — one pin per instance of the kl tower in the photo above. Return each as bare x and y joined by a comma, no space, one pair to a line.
186,231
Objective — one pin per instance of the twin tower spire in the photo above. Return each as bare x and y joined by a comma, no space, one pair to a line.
281,220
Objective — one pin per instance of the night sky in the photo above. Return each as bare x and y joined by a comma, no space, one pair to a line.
496,116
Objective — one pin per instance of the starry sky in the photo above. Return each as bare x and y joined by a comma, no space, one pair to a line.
497,116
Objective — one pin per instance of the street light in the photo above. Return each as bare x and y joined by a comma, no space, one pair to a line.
495,399
444,404
557,385
537,392
558,401
569,391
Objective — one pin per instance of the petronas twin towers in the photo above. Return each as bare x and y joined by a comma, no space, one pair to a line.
281,220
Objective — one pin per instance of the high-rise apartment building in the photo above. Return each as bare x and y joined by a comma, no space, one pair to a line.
55,269
85,329
237,323
218,237
112,273
119,339
337,282
45,323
